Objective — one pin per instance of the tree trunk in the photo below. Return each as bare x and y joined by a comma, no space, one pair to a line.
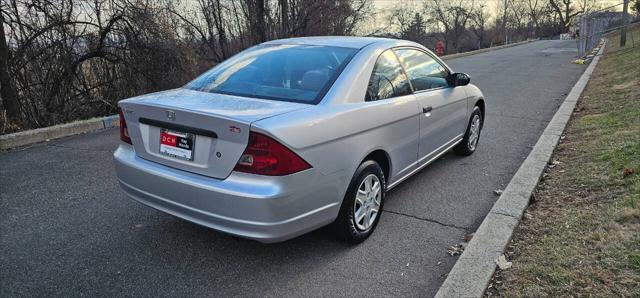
261,29
567,12
7,91
284,18
222,32
504,21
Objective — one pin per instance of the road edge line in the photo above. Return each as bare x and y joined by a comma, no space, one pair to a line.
472,272
28,137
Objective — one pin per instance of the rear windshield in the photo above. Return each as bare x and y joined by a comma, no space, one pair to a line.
299,73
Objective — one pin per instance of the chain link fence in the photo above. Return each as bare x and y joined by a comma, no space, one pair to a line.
592,27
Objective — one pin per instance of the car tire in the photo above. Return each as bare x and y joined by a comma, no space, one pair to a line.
469,143
362,204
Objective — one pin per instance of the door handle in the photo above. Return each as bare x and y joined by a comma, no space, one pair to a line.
427,109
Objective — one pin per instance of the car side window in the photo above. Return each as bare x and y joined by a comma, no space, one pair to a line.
424,72
387,79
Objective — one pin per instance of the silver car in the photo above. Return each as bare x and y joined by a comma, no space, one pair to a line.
295,134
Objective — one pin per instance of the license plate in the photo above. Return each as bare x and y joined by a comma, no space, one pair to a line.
177,144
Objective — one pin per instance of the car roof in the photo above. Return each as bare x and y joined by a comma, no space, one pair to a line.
355,42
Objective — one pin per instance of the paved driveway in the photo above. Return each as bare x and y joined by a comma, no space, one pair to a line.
67,229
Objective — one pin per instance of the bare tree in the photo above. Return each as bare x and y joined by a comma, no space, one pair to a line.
479,18
284,17
402,16
519,18
453,16
503,24
256,14
73,60
8,95
61,60
415,30
567,9
536,10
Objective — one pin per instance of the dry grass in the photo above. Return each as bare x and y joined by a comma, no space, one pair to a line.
581,234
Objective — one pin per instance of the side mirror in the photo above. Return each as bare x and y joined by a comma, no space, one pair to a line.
460,79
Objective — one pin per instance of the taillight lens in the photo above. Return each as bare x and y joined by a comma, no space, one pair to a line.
124,133
265,156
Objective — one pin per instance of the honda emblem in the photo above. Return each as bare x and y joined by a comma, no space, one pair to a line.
171,115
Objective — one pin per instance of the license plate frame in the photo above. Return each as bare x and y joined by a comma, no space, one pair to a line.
177,144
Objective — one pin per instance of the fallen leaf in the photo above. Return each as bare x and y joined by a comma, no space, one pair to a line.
455,250
502,263
468,237
626,172
533,199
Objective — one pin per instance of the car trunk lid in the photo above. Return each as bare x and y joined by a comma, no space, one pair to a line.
199,132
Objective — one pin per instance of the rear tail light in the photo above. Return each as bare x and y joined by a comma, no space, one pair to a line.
265,156
124,133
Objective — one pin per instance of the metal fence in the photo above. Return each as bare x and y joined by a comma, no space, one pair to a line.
591,28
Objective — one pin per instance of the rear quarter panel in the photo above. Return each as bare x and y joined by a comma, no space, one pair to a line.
335,139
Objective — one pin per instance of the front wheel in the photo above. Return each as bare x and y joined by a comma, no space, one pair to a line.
472,135
362,204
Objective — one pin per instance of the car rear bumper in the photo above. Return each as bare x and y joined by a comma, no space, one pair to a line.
263,208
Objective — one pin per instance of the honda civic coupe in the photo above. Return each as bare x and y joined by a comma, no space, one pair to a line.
296,134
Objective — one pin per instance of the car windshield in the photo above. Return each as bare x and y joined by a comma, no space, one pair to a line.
298,73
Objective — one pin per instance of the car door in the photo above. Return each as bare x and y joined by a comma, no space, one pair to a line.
443,108
389,93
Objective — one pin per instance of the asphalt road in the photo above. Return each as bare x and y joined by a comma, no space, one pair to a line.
67,229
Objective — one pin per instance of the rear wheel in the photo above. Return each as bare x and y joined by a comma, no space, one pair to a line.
362,204
472,135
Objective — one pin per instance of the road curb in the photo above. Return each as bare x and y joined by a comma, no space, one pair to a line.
480,51
29,137
475,267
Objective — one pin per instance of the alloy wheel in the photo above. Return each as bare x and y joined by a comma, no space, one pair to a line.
474,132
367,202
